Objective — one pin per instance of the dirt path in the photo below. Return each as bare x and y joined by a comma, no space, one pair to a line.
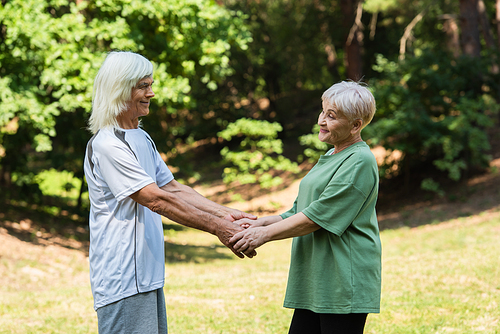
21,243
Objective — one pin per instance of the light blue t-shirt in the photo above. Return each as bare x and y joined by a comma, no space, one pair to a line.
127,254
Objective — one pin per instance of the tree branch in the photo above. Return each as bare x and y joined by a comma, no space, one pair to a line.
373,25
407,33
357,23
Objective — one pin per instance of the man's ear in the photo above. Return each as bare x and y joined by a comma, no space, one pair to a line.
357,125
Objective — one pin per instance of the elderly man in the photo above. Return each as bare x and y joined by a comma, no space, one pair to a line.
129,188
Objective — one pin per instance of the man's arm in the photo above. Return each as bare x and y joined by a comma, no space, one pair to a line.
172,206
194,198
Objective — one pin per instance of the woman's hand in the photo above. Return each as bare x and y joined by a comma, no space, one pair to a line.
246,223
248,240
225,232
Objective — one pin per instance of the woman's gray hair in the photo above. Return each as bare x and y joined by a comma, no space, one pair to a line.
354,100
113,85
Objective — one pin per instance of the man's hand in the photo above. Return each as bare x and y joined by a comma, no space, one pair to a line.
237,215
225,232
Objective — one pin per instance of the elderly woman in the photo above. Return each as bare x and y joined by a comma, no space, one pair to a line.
335,271
129,188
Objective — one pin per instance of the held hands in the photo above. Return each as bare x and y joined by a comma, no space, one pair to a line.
248,240
224,233
229,230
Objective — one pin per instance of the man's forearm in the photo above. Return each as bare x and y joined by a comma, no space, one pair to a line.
194,198
170,205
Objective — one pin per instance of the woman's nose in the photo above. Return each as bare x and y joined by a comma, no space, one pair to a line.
320,119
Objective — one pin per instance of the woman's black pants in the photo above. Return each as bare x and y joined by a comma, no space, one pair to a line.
308,322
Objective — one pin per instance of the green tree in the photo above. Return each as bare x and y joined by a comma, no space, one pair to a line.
258,153
435,112
51,50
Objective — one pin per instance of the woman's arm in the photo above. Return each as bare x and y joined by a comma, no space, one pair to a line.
264,221
253,237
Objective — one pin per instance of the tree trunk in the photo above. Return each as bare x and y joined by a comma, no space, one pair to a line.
485,25
331,53
352,10
469,22
498,20
450,27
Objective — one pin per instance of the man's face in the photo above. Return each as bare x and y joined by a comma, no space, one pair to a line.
140,98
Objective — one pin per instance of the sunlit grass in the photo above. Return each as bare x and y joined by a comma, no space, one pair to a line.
440,278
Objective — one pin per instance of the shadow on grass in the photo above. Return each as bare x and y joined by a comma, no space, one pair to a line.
476,195
54,224
58,224
175,252
194,254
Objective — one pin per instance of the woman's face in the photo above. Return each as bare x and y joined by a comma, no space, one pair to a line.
140,98
335,128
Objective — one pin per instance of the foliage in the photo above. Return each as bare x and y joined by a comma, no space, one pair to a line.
434,111
51,50
219,61
258,153
314,147
54,183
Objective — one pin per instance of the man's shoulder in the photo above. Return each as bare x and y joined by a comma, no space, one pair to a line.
106,140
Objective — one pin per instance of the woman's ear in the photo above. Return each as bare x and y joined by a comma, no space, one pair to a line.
357,125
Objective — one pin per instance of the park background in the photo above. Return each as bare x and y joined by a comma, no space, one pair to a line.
238,89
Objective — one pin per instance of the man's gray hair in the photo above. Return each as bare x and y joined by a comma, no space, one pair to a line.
113,85
353,99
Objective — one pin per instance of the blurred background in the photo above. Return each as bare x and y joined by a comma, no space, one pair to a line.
238,87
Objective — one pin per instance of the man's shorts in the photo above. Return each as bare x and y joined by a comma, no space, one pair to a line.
141,313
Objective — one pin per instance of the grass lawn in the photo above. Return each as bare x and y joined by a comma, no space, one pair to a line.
442,278
439,278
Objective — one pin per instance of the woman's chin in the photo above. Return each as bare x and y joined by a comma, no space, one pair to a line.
323,139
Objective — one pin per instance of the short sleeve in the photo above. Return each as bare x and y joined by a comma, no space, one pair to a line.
336,208
290,212
344,197
163,174
120,170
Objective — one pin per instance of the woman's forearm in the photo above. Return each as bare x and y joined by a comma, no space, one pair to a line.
269,220
294,226
253,237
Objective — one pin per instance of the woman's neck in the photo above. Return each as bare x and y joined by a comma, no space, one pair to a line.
342,146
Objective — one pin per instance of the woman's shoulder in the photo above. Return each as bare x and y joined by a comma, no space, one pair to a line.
361,152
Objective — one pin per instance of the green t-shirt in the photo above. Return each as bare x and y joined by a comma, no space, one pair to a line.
337,269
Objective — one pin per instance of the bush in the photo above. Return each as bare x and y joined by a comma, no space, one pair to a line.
314,147
435,111
257,154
